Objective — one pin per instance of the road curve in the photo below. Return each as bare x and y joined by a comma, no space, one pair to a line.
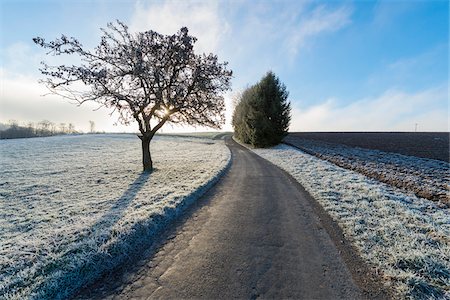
254,234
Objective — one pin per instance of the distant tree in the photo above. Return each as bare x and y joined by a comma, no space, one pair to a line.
31,127
16,131
92,126
53,129
147,77
13,123
3,126
262,115
71,128
63,127
45,128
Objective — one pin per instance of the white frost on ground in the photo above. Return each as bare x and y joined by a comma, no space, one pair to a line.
406,237
73,207
427,178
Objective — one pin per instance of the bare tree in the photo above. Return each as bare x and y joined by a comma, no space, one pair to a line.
63,127
71,128
147,77
13,123
31,128
92,126
44,127
53,128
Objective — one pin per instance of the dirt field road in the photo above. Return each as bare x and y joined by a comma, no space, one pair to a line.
255,234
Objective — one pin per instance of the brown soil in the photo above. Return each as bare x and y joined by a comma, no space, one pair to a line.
434,145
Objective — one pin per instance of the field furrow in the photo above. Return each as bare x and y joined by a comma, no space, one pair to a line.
426,178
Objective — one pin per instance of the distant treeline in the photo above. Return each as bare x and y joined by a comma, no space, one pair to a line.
42,128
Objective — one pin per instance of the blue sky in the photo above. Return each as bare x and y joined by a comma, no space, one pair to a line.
349,66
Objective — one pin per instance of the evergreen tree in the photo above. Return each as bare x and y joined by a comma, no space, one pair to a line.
262,116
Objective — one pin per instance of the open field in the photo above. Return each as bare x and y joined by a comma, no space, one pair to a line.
427,178
405,237
74,207
433,145
215,135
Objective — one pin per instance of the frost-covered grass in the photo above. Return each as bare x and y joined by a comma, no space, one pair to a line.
74,207
215,135
407,238
427,178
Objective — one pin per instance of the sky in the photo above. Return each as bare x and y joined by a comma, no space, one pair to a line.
348,65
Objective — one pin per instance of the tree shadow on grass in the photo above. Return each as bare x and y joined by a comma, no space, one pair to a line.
115,279
86,260
116,212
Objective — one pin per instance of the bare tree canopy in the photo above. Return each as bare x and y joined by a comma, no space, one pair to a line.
145,76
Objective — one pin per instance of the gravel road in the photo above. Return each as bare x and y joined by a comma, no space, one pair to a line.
256,234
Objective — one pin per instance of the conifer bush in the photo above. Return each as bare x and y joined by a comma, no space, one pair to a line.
262,116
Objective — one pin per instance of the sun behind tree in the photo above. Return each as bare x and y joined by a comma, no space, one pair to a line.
146,76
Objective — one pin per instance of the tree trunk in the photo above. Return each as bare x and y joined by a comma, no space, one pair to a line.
146,158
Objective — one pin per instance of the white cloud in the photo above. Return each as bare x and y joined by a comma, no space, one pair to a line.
202,19
319,21
257,36
420,70
266,36
385,13
243,31
394,110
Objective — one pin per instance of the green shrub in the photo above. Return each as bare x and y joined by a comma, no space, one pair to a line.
262,116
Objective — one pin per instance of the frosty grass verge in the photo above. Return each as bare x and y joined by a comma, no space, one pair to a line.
74,207
405,237
427,178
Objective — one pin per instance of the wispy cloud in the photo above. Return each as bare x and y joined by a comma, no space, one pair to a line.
202,18
318,21
387,12
243,31
421,70
253,37
394,110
